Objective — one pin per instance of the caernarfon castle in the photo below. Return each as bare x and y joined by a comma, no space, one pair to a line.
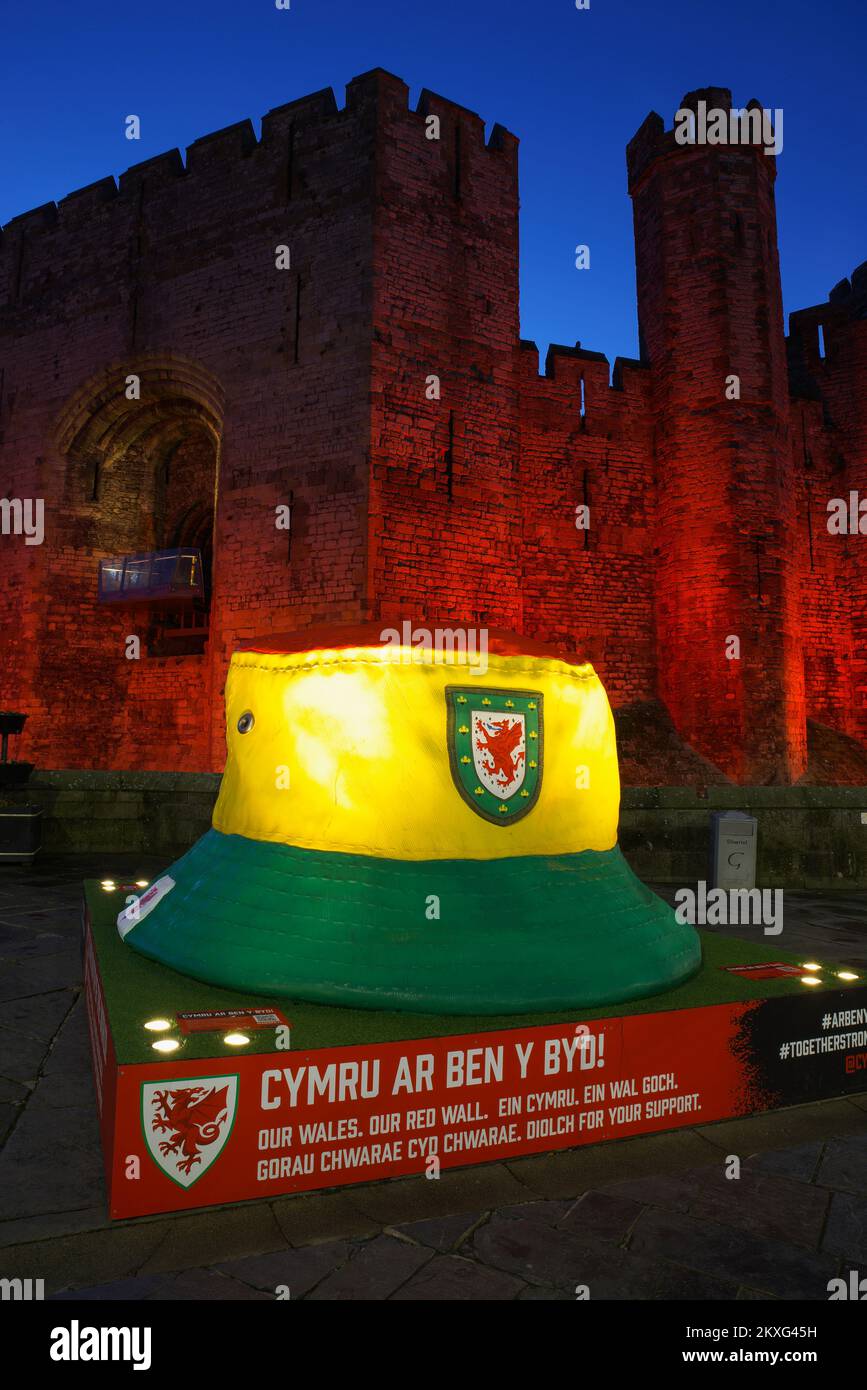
251,332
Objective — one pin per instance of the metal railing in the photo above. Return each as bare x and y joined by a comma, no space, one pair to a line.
156,576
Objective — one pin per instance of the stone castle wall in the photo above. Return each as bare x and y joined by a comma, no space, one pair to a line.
310,387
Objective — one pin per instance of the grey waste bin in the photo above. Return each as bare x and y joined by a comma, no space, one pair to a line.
733,836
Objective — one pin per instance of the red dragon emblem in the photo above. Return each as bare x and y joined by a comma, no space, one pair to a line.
499,747
193,1117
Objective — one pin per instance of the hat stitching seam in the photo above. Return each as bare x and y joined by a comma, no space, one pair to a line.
237,660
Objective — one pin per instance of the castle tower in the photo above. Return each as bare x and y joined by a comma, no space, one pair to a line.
828,372
444,534
710,309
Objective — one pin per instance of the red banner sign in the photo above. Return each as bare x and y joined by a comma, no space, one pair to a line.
257,1126
184,1133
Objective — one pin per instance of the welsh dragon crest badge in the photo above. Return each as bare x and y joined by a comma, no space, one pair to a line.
495,741
186,1123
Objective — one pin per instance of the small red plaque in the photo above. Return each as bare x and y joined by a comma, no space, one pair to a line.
218,1020
768,970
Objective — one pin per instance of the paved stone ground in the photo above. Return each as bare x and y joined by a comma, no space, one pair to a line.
653,1217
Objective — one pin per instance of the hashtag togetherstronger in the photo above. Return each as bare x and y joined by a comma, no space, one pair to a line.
812,1047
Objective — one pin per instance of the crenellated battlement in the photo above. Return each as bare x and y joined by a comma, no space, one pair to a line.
317,108
228,154
222,147
471,124
85,201
653,142
160,170
565,365
828,338
36,219
274,171
582,380
851,294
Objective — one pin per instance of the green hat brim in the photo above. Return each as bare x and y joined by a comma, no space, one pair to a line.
519,935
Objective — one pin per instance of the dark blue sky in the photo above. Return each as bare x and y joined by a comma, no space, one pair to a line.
573,85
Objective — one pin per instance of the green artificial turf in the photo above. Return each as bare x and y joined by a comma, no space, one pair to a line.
137,989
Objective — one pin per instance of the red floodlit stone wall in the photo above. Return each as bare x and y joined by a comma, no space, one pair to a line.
709,306
589,588
444,506
453,501
830,371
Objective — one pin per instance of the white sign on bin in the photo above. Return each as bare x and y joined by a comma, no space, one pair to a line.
733,849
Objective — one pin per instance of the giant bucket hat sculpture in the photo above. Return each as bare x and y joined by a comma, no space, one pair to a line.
406,827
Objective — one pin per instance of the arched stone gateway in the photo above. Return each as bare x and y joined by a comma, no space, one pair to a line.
145,411
142,443
133,460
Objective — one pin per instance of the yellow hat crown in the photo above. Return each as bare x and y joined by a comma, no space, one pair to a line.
379,750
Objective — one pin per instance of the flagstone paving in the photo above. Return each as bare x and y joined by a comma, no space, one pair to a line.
654,1217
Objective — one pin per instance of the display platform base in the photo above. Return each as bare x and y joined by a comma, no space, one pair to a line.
207,1097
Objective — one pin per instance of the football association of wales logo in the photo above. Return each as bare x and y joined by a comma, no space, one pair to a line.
186,1123
495,749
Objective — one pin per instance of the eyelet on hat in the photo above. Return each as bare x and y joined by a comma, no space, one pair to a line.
246,722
